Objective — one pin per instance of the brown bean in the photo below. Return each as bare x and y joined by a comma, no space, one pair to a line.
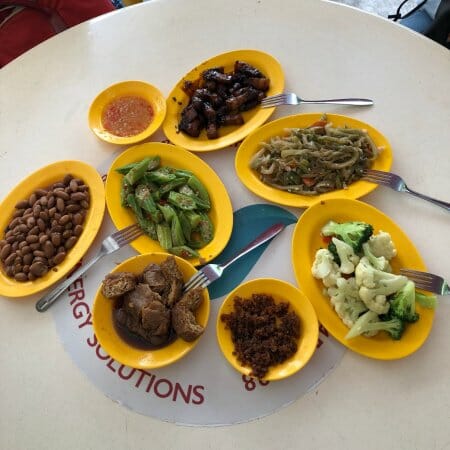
78,230
35,246
43,201
22,245
39,253
20,276
28,258
10,259
32,238
35,230
25,250
52,211
70,242
67,234
26,268
14,223
44,215
36,210
18,267
6,250
68,226
77,219
73,185
64,219
23,204
58,185
59,258
82,187
62,194
84,204
38,269
60,204
41,224
18,213
40,192
31,222
67,179
51,201
11,239
2,243
9,271
49,249
31,276
43,239
56,239
22,228
14,246
73,208
32,199
41,259
78,196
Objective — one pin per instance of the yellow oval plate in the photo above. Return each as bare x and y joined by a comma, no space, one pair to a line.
120,350
307,240
228,135
252,143
136,88
40,179
281,291
221,213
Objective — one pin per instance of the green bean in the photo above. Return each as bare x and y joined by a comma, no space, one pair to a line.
184,252
185,224
167,211
161,176
177,232
164,235
133,176
196,185
148,227
181,201
146,202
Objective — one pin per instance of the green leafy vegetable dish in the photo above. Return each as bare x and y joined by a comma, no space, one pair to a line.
356,273
171,205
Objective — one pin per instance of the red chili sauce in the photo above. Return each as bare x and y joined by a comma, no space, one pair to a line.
127,116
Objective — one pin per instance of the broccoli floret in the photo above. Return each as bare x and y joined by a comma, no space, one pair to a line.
427,301
333,250
370,322
403,303
352,233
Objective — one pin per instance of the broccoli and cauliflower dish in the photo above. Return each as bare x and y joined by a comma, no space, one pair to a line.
356,272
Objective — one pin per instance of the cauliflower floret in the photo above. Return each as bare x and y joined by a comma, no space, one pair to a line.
381,245
325,268
346,302
347,256
380,262
376,303
375,285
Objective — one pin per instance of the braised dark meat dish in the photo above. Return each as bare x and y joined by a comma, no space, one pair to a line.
217,98
151,305
183,318
144,313
117,284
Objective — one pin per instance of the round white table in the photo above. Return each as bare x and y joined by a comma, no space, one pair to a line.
326,50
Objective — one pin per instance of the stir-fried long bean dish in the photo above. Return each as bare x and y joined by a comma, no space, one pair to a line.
314,160
171,205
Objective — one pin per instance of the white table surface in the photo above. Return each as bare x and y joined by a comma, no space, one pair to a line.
326,50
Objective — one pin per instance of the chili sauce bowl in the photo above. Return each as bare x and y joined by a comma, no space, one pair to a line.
149,93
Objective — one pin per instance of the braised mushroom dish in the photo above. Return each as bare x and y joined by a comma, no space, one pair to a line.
151,309
218,98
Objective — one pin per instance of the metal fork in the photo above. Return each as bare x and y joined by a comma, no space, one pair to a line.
206,275
398,184
289,98
427,281
111,244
